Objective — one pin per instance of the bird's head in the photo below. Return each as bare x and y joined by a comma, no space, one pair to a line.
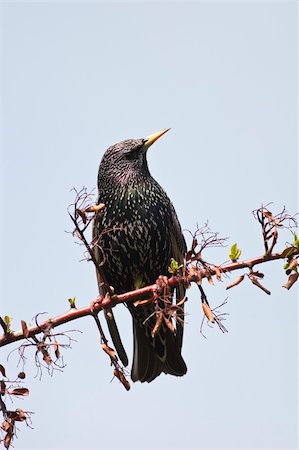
126,160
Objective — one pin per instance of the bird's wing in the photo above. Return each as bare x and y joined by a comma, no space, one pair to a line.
178,251
109,316
178,243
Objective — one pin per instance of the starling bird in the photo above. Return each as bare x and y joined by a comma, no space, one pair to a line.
138,234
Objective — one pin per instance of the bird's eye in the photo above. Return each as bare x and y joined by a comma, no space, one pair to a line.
133,151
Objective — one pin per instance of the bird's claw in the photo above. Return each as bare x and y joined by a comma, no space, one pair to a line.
94,304
162,283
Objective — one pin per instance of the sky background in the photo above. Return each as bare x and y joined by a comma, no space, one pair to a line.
77,77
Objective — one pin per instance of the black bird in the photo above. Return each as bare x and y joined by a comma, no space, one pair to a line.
139,233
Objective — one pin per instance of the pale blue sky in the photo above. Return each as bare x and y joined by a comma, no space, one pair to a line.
80,76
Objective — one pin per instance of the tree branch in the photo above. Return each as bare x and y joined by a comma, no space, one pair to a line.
100,303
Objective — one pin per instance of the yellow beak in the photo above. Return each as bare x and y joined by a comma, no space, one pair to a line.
153,137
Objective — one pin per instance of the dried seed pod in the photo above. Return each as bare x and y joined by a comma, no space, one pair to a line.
291,280
266,213
46,357
258,284
258,274
25,329
2,370
23,392
8,437
143,302
193,274
95,208
81,213
182,301
288,252
56,349
169,324
118,374
110,351
2,387
210,279
5,426
236,282
21,415
292,265
208,312
218,273
159,319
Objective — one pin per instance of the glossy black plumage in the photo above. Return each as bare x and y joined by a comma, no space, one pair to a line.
139,233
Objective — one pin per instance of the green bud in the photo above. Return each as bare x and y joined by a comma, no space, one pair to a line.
234,253
174,266
72,302
295,242
8,321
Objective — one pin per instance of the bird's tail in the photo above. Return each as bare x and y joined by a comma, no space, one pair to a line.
154,355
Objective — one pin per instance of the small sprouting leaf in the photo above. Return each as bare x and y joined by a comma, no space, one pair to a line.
72,302
8,321
234,253
138,282
174,266
295,242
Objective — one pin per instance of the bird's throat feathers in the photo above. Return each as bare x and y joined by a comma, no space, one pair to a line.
123,174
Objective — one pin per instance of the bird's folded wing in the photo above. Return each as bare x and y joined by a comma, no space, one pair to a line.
178,251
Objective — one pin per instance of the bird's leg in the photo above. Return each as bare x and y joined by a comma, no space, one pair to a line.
163,286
